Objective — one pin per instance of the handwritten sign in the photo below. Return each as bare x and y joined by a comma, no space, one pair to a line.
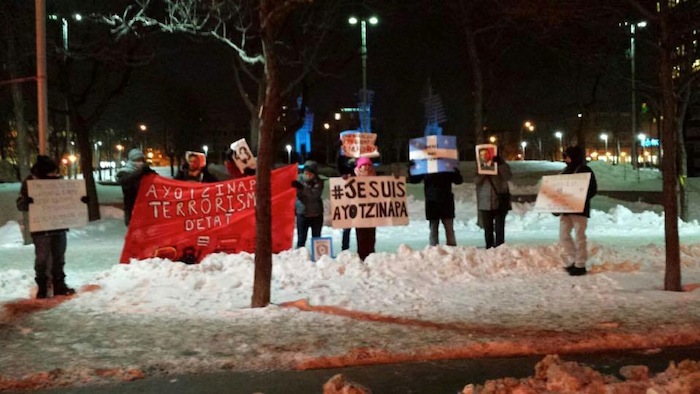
56,204
434,153
564,193
242,155
371,201
356,144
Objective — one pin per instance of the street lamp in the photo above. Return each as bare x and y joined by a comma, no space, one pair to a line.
327,127
289,154
364,111
205,148
143,128
523,144
492,139
604,137
559,136
120,149
337,116
642,138
530,127
633,33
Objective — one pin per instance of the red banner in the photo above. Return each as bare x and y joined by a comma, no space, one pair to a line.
185,221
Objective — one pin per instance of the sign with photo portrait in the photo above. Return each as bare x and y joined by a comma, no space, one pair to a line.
484,159
243,156
321,246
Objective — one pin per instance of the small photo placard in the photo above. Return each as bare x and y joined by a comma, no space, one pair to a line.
321,246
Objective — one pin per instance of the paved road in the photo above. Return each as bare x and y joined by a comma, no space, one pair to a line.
447,377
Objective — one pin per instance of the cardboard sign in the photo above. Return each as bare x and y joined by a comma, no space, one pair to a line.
243,156
433,153
56,204
321,246
356,144
185,221
484,159
368,201
564,193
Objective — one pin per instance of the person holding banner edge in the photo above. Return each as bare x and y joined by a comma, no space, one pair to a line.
439,202
493,201
575,252
129,177
309,206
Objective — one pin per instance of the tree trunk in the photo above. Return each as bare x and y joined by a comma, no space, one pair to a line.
478,87
263,211
683,156
85,148
672,280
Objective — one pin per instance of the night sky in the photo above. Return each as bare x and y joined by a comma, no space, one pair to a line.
189,84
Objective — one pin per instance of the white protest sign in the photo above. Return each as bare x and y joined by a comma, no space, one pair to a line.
356,144
368,201
56,204
565,193
242,155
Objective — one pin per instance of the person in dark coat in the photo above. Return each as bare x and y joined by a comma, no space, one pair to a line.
492,208
309,206
439,202
194,171
366,236
346,168
49,246
129,177
576,249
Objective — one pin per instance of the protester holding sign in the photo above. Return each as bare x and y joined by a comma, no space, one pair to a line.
346,168
366,236
493,201
575,251
439,202
195,169
233,169
309,206
50,245
129,177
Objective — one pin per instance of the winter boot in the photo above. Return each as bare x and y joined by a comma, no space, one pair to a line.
43,291
60,288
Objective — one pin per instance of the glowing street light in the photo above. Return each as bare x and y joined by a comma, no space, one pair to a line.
364,114
205,148
523,144
604,137
559,135
289,154
492,139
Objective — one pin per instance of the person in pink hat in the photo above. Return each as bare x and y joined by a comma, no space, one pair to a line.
366,237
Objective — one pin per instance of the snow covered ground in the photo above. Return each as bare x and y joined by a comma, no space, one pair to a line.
406,302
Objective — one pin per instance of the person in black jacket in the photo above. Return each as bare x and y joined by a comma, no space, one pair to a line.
129,177
439,202
575,249
309,206
49,246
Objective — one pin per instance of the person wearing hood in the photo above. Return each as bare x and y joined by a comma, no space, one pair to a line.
194,170
129,177
49,246
309,206
575,253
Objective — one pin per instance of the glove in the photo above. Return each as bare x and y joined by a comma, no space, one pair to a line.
297,184
249,171
411,163
30,200
456,170
497,159
85,199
